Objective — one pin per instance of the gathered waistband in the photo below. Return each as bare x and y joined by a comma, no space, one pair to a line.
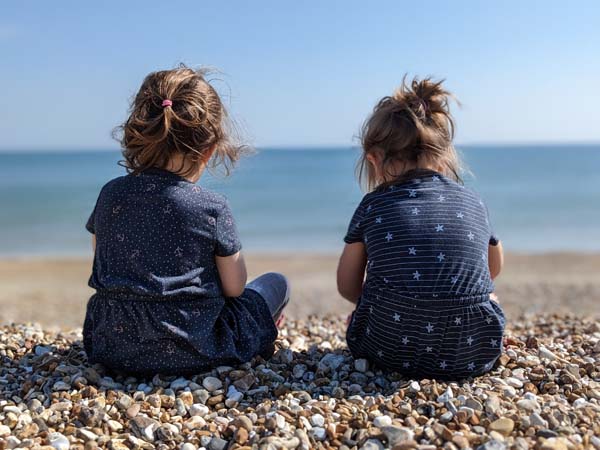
118,296
419,301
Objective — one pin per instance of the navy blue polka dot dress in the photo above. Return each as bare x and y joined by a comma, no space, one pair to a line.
425,308
159,306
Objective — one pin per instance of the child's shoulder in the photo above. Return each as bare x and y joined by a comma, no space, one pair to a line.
114,185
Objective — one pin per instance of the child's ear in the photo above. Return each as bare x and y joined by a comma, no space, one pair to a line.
373,159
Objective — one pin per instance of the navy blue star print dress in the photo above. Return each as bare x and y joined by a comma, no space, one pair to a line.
158,306
425,308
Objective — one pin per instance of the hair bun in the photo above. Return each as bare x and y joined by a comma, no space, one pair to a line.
413,126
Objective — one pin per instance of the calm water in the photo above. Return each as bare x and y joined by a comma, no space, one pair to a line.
540,198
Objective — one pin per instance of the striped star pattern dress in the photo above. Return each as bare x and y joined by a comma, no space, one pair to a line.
425,309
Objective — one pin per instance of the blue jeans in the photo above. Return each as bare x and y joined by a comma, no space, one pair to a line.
274,288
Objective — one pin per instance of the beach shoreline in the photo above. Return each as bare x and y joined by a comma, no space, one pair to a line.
54,291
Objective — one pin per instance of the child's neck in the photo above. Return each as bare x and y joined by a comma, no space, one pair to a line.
180,166
400,169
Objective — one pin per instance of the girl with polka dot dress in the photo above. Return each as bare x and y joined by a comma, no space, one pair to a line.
170,280
420,253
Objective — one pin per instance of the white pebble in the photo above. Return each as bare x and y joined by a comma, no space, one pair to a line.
188,446
514,382
527,405
58,441
114,425
317,420
319,433
543,352
509,391
414,386
382,421
446,396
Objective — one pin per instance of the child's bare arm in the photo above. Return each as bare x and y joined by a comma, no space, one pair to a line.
351,271
495,259
232,271
93,242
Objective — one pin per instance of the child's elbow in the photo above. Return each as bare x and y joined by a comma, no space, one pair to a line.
343,291
346,291
233,291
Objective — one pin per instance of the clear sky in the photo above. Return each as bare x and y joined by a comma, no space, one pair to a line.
301,72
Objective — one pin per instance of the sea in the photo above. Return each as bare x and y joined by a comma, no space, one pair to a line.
542,198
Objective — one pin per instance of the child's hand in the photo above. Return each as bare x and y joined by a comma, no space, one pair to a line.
348,319
494,297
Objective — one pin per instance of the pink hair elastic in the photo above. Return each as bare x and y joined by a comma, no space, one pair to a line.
167,102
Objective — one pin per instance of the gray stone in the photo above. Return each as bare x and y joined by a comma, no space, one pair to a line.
528,405
179,383
492,444
212,384
546,433
41,350
299,370
216,443
372,444
446,417
537,421
395,435
319,433
144,427
61,386
474,403
361,365
330,361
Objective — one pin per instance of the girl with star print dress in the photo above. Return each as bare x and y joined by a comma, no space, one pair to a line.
171,294
420,253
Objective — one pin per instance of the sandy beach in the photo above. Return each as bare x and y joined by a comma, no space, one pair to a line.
54,292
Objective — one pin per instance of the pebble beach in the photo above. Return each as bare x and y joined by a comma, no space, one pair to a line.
543,393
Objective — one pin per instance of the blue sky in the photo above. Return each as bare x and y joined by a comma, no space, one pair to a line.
301,73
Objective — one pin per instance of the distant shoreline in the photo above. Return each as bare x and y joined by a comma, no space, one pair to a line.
298,147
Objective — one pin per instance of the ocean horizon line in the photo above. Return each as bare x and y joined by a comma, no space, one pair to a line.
313,147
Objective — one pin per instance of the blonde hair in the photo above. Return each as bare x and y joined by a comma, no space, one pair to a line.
193,122
412,126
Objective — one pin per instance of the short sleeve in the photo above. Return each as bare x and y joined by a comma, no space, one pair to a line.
91,222
227,239
355,230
